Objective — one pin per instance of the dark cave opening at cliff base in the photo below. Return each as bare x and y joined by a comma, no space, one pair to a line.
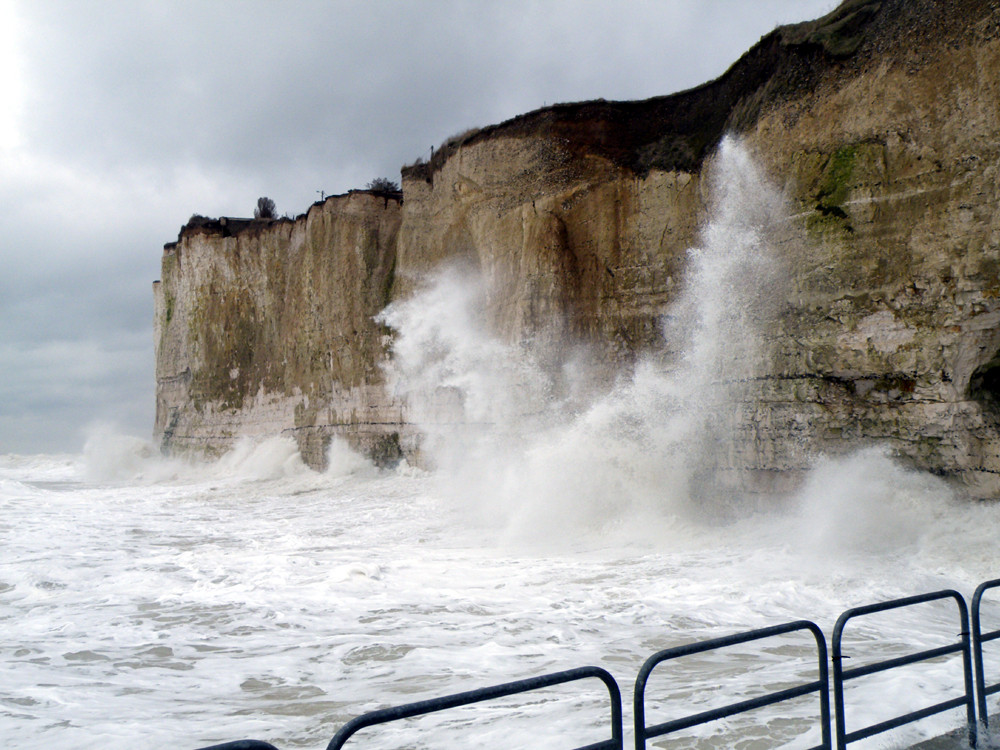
984,385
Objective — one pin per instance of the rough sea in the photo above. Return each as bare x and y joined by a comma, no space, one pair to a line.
159,602
148,602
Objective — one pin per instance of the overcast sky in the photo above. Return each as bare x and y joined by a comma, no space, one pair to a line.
120,119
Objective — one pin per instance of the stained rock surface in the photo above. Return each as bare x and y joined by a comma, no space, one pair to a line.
880,126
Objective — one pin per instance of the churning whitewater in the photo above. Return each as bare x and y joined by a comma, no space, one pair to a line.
154,601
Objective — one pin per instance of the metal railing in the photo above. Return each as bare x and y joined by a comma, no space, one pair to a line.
967,646
419,708
840,675
978,638
821,685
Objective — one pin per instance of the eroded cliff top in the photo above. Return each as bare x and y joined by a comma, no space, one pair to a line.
229,226
677,131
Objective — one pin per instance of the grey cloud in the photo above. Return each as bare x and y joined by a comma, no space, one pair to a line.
254,87
140,114
52,390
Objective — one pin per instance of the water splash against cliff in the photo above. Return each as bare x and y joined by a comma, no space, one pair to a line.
537,449
113,458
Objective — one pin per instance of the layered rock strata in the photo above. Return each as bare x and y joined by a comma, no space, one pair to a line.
266,328
880,122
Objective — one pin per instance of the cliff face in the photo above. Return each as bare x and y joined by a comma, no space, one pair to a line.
891,333
880,122
266,328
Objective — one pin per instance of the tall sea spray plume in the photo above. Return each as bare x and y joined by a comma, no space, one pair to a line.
518,444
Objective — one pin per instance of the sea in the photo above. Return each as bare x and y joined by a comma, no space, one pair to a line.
556,520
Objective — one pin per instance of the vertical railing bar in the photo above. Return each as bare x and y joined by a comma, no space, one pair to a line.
977,645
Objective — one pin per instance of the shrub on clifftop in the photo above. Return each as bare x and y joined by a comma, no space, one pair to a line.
265,209
383,186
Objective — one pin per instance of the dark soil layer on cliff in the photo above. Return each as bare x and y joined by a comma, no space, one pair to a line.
676,132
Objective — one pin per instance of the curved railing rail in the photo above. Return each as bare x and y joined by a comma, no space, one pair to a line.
420,708
840,675
821,685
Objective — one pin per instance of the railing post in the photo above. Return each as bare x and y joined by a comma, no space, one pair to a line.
967,671
982,690
838,682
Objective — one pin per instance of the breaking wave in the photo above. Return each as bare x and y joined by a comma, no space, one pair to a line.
539,449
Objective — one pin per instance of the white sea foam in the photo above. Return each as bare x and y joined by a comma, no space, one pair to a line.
189,611
867,504
342,461
110,456
174,603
